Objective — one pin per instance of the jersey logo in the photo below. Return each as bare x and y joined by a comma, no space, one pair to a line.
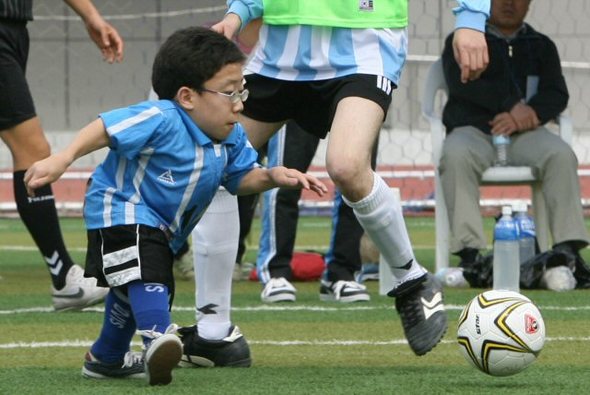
167,177
366,5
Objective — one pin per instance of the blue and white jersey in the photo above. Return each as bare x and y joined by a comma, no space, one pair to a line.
162,170
306,53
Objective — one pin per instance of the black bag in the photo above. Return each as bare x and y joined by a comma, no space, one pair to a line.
480,274
532,270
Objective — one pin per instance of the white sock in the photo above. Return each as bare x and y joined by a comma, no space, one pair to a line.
380,215
215,246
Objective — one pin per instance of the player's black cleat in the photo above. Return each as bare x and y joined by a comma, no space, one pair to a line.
131,367
419,303
231,351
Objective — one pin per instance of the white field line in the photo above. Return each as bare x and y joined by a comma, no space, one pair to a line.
285,343
250,248
265,308
87,343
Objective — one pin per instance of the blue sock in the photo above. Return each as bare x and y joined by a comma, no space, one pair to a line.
149,303
117,329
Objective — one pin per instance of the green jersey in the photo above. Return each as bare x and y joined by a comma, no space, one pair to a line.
361,14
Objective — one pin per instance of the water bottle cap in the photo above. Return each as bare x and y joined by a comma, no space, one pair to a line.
506,210
499,139
520,207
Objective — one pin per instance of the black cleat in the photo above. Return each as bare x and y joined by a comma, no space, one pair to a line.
231,351
131,367
419,303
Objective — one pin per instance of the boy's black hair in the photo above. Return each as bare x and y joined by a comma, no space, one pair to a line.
189,57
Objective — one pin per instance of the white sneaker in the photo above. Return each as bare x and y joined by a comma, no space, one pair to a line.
343,291
278,290
162,355
78,293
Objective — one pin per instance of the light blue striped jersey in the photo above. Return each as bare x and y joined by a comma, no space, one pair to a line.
306,53
162,170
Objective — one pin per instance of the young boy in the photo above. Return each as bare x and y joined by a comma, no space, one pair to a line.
167,159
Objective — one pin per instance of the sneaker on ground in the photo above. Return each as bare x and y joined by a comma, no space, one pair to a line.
242,271
343,291
278,290
369,271
161,355
78,293
131,367
419,303
231,351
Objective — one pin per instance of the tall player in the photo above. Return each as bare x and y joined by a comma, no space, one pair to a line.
332,66
20,130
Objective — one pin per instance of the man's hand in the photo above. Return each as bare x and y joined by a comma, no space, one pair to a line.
106,38
291,178
471,53
228,26
503,123
524,116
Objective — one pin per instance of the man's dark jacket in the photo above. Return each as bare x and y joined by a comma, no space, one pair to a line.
530,55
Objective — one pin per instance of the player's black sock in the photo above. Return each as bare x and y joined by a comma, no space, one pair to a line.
40,217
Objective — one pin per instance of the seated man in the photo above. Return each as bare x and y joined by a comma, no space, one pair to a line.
522,89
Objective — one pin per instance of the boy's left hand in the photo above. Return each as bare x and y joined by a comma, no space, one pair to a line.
291,178
44,172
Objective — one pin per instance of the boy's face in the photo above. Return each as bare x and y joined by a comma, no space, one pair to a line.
211,109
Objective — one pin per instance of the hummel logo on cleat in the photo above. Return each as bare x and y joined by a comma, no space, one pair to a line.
435,304
167,177
76,295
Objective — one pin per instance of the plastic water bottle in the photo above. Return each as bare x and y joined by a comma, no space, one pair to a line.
452,277
506,261
501,143
526,232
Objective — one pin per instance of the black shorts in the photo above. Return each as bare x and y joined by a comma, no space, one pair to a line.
16,102
120,254
312,104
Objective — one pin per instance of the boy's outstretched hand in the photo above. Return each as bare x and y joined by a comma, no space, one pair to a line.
291,178
45,172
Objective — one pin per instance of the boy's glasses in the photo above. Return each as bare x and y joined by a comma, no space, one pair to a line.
234,97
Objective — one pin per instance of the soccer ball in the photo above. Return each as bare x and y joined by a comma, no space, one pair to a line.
501,332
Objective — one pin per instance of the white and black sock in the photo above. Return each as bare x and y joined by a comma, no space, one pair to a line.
215,245
380,215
